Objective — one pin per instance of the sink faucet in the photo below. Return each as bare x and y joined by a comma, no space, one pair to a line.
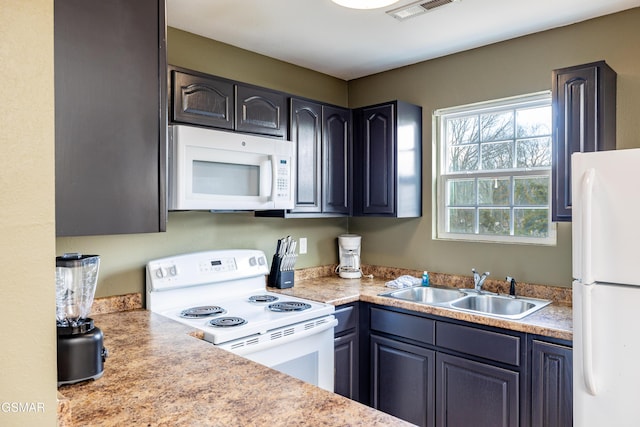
512,286
478,280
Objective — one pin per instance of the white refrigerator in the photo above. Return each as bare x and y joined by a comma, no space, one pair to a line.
606,288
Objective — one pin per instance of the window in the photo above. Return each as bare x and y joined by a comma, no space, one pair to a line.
493,172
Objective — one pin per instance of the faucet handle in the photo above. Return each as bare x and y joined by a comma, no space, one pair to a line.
512,285
474,271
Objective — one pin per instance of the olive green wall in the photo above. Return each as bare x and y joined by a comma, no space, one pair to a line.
27,319
198,53
123,257
518,66
513,67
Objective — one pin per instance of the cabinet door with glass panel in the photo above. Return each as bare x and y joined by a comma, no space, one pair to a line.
494,171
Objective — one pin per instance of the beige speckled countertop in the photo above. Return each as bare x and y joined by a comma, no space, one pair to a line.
158,375
553,321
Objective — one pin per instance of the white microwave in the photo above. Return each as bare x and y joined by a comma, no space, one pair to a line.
225,171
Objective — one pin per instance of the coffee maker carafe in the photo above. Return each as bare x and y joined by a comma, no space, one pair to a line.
349,254
81,354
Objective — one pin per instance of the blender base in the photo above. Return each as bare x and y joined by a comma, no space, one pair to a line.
81,356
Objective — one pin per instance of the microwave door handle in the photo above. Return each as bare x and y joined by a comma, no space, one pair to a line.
274,177
267,185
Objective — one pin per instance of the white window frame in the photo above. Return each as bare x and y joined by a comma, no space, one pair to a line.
439,202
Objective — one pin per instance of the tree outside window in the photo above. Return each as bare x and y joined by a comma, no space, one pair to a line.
494,173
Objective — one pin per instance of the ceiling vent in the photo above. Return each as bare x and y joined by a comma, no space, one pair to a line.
417,8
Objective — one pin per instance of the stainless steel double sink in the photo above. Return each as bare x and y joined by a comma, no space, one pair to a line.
485,303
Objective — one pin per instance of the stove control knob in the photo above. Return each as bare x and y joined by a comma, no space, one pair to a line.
160,273
252,261
173,270
262,261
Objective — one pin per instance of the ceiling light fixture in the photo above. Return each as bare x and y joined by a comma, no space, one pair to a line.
364,4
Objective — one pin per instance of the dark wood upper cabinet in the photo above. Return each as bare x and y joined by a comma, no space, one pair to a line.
110,116
336,146
387,160
261,111
376,160
206,100
584,120
306,133
202,99
322,134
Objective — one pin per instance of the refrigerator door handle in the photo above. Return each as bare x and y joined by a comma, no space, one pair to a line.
587,341
587,280
587,219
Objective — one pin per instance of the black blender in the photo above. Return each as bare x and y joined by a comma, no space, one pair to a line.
81,354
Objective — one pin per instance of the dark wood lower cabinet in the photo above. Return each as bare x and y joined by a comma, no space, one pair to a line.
402,380
346,352
346,365
435,371
551,385
471,393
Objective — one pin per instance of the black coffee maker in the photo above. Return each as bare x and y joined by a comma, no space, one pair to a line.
81,354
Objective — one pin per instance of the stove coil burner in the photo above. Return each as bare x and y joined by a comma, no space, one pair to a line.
227,322
285,306
202,311
263,298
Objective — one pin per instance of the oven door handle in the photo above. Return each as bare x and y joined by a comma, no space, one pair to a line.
277,337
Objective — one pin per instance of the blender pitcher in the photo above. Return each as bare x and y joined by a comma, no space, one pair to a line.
76,278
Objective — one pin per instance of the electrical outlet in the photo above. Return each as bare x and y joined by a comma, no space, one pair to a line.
303,245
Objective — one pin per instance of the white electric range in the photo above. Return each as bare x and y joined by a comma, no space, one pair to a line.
223,294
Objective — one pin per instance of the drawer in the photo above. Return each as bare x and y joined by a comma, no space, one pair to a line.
403,325
478,342
347,318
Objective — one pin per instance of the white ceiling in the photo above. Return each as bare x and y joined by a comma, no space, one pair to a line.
348,44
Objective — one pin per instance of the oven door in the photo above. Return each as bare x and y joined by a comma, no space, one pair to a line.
304,351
